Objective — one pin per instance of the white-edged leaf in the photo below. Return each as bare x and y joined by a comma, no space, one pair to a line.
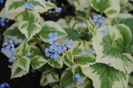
49,27
23,62
108,49
104,76
125,32
56,63
13,8
13,32
67,79
29,29
20,68
110,7
37,62
49,77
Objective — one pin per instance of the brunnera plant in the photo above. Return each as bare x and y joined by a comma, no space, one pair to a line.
85,53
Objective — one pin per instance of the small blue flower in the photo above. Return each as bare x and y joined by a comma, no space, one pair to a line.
80,25
4,85
95,18
107,29
1,1
26,5
103,32
101,21
29,54
5,43
97,25
31,5
10,60
91,50
79,78
3,21
11,41
100,16
83,52
58,10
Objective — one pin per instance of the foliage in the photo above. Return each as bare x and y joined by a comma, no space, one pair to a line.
87,50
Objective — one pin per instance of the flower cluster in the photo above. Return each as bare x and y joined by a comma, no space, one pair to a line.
98,20
29,5
4,85
3,21
57,48
9,49
79,78
1,1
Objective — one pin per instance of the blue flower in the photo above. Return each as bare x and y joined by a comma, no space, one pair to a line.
10,60
107,29
103,32
1,1
26,5
98,20
9,50
31,5
4,85
29,54
97,25
80,25
95,18
56,48
83,52
79,78
58,10
5,43
91,50
3,21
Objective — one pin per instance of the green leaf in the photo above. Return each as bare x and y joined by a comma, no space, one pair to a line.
50,5
76,48
22,49
84,60
35,50
104,76
23,62
49,77
39,6
109,48
13,8
13,32
55,63
126,19
68,59
29,29
79,5
37,62
98,4
110,7
67,80
49,27
20,67
126,33
29,16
